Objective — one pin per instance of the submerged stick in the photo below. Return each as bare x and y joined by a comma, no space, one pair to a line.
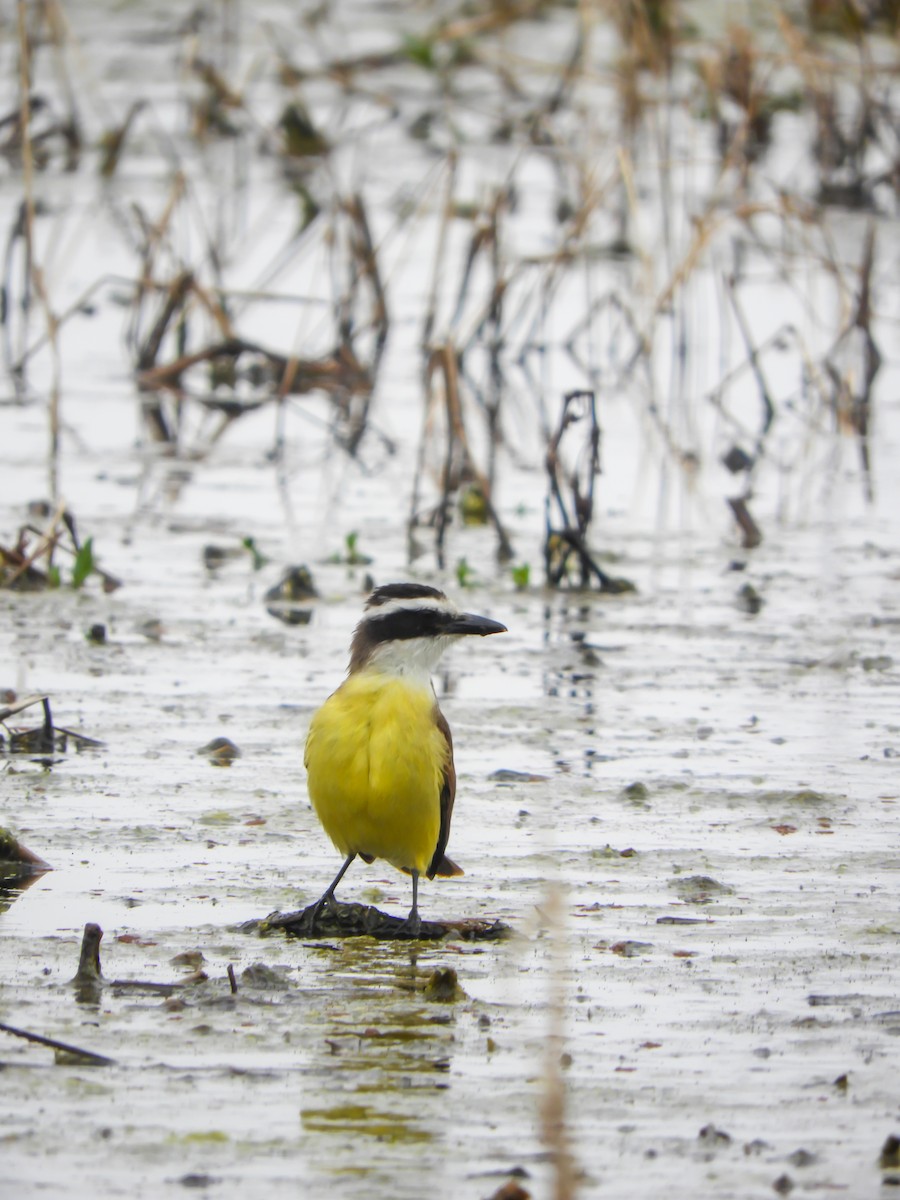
99,1060
89,959
750,531
18,706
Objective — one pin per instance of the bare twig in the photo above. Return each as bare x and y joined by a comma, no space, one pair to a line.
98,1060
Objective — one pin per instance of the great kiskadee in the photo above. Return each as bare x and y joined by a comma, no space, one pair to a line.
379,755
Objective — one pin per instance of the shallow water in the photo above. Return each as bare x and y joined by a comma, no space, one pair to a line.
695,851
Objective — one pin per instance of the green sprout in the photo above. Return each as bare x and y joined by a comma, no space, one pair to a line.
352,557
464,573
84,563
259,560
521,577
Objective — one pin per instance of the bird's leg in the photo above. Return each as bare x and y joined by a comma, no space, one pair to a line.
414,922
327,897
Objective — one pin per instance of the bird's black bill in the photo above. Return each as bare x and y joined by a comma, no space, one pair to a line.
472,624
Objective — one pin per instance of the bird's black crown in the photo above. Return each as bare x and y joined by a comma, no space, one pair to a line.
403,591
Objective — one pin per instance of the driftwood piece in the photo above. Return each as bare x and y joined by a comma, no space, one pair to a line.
67,1054
363,920
17,862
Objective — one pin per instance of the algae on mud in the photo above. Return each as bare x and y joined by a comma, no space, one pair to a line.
346,919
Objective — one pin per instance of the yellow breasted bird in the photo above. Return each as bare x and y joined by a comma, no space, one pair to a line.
379,754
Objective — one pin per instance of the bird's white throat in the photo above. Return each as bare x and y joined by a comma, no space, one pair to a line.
414,659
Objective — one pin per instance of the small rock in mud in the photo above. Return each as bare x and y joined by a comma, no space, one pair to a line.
289,600
710,1136
635,793
259,975
802,1158
505,775
608,851
511,1191
221,752
699,889
737,459
757,1146
749,600
783,1185
880,662
628,949
443,987
889,1158
803,796
195,1180
215,556
191,959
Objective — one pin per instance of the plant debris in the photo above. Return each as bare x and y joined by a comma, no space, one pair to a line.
17,861
43,739
363,920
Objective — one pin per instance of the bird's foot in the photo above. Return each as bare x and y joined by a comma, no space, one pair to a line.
327,901
412,926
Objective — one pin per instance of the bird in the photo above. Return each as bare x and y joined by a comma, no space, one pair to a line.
379,753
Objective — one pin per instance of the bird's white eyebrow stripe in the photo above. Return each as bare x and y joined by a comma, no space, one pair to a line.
409,604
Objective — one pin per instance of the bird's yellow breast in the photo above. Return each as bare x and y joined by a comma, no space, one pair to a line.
375,761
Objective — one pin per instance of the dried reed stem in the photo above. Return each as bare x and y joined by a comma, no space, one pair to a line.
35,271
554,1131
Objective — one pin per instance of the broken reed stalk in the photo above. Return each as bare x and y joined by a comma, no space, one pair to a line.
440,251
16,356
446,360
35,272
554,1130
567,530
488,331
365,257
459,464
47,540
42,740
765,393
173,302
152,236
495,340
872,359
363,264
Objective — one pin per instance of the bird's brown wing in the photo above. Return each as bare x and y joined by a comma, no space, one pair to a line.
440,863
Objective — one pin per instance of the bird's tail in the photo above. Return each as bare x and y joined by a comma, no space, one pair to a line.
446,867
